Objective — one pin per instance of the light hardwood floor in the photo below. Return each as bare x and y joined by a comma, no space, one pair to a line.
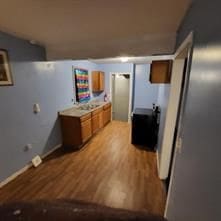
108,170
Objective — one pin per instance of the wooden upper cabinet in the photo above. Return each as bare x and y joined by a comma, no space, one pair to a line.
97,81
160,72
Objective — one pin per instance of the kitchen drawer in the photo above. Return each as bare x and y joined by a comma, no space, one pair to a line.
106,106
85,117
97,111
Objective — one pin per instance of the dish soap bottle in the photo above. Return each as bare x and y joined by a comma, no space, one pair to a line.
105,97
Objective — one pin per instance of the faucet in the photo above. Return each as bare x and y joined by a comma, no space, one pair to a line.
76,103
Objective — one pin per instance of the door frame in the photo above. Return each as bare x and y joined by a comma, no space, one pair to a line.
187,44
172,112
130,91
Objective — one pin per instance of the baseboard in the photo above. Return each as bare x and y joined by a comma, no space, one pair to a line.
51,151
26,167
13,176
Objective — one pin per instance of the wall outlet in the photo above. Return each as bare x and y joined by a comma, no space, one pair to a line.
36,108
28,147
36,161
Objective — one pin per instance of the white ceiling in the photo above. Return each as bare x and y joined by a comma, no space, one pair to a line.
74,29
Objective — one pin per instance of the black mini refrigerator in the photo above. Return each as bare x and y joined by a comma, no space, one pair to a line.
145,127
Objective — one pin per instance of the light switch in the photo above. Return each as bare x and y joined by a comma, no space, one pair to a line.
36,108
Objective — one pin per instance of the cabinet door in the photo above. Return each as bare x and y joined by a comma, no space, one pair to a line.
95,81
95,123
86,130
101,119
71,133
160,72
107,115
101,81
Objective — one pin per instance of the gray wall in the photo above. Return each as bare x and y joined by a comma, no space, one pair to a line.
114,68
21,50
195,191
49,84
145,93
35,81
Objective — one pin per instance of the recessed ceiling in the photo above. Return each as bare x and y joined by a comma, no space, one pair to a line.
74,29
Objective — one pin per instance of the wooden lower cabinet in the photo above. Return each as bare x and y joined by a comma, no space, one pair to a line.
97,120
95,123
101,119
86,130
107,113
77,130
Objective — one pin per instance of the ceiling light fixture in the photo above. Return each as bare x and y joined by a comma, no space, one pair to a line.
33,42
124,59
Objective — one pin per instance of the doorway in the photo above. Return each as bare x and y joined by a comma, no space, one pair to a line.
182,64
120,96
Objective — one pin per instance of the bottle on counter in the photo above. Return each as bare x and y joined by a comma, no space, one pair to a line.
105,97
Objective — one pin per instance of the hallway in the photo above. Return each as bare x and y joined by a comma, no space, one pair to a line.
108,170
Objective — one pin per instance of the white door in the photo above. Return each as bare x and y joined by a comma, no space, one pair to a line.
120,96
178,82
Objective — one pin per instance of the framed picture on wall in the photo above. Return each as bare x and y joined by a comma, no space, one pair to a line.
81,85
5,71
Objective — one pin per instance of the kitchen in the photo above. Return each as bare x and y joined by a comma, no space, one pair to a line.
68,125
93,108
88,132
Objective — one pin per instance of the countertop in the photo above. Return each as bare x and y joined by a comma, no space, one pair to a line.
76,112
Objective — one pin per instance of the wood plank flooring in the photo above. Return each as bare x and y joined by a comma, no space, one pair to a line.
108,170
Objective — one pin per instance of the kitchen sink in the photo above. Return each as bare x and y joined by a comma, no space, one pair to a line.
88,106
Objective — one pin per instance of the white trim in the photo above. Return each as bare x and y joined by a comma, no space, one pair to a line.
13,176
130,90
171,181
51,151
158,162
172,110
130,97
171,117
26,167
187,42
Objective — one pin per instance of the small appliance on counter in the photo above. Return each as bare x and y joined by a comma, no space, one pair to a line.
145,125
